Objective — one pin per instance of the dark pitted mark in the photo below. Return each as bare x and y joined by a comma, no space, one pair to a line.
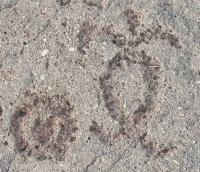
63,2
43,127
132,19
94,3
47,64
152,148
155,150
99,132
146,36
72,139
5,143
143,136
165,150
1,111
155,32
74,130
149,147
85,36
171,38
22,113
119,39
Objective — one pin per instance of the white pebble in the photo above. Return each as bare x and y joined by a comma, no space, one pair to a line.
180,108
71,49
45,52
42,77
104,43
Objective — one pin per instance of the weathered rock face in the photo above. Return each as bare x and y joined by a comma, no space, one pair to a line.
99,85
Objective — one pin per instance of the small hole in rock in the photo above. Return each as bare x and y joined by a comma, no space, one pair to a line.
22,113
73,139
1,111
74,129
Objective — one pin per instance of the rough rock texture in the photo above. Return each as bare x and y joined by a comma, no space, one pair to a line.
99,85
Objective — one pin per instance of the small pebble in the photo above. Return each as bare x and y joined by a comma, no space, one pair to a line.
45,52
71,49
42,77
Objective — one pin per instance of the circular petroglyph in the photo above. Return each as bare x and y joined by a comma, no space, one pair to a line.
43,127
130,88
133,83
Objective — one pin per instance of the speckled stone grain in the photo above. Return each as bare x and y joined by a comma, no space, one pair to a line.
99,85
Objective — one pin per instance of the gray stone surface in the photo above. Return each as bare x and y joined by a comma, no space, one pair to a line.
99,85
